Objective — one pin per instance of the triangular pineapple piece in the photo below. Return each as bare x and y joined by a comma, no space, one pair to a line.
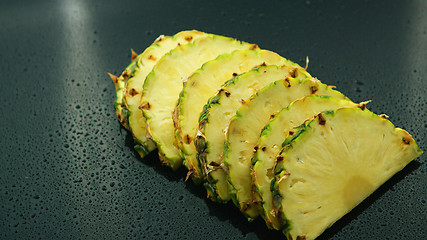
163,85
245,129
216,116
204,83
270,144
332,164
145,63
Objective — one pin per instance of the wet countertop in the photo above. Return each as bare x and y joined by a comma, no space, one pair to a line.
69,170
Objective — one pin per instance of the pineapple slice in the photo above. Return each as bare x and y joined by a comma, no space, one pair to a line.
204,83
245,129
163,85
214,120
270,144
120,84
332,164
129,85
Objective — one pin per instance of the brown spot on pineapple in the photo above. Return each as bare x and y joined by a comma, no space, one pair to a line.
254,46
300,238
133,92
188,38
322,120
214,165
279,158
235,74
287,83
160,38
263,149
263,64
293,72
242,101
152,58
221,90
384,116
133,55
291,133
227,94
188,139
284,177
145,106
314,89
125,75
114,78
272,116
362,105
256,148
406,140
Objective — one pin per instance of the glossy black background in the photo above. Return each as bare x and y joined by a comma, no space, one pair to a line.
69,171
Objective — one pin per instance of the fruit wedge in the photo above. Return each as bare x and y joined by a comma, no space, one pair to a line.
163,85
271,140
332,164
246,126
129,86
214,120
204,83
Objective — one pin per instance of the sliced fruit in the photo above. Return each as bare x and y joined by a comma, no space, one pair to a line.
163,85
214,120
332,164
204,83
120,84
270,144
246,126
144,65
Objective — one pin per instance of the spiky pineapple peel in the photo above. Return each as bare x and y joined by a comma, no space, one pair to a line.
354,145
292,228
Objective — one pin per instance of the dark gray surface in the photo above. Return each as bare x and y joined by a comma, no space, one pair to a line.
69,171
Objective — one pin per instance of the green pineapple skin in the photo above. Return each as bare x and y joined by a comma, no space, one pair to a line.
229,64
276,128
169,154
300,133
120,85
252,207
200,141
163,44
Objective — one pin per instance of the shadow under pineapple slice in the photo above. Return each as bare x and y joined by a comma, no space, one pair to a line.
246,126
270,144
163,85
216,115
332,164
204,83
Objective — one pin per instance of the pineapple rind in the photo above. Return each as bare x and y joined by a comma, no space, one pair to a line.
120,84
132,88
210,140
163,85
205,82
313,223
272,137
247,125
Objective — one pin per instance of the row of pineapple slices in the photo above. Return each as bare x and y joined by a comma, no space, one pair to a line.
256,128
